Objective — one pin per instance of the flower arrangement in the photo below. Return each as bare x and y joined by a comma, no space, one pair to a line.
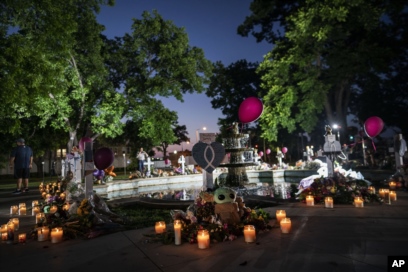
201,216
342,189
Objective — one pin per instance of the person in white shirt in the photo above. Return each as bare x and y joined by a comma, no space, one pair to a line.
141,156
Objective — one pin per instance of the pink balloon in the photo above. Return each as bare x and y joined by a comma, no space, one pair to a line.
260,153
103,158
373,126
83,141
250,110
268,151
284,150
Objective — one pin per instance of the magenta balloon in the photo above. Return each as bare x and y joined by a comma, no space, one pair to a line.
103,158
260,153
373,126
250,110
284,150
268,151
83,141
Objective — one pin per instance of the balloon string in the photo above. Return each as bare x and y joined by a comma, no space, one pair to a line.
372,141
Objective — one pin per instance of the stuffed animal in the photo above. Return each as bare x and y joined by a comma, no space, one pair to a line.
226,207
242,209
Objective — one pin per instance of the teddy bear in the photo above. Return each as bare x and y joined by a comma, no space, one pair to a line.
226,207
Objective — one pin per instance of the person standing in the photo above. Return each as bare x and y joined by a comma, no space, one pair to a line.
141,156
21,159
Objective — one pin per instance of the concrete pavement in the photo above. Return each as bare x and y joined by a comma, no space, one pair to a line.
340,239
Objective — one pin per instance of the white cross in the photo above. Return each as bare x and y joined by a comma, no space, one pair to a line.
182,160
148,163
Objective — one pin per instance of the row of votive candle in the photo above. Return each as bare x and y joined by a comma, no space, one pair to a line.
43,234
21,209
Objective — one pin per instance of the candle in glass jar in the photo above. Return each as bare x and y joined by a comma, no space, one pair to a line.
371,189
392,185
393,196
34,203
53,209
3,232
328,202
160,227
285,225
4,237
16,223
10,231
56,235
177,232
39,218
309,200
280,214
387,196
381,192
62,196
358,202
249,233
203,239
14,210
35,210
42,233
65,206
22,210
22,238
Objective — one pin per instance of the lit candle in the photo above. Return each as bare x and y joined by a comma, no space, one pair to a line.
10,231
392,185
4,237
160,227
53,209
22,210
280,214
34,203
14,210
393,196
44,195
203,239
309,200
16,223
371,189
285,225
381,192
358,202
39,218
387,196
65,206
328,202
177,232
3,231
249,233
43,233
62,196
22,238
20,205
35,210
56,235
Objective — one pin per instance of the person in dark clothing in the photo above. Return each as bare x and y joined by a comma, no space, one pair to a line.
21,158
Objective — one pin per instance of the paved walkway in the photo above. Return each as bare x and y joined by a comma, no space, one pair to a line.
340,239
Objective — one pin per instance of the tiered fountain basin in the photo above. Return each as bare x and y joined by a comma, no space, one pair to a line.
135,187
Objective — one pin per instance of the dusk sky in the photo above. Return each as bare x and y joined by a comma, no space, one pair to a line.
212,26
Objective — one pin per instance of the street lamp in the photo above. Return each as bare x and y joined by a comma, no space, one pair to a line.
124,161
204,128
337,127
